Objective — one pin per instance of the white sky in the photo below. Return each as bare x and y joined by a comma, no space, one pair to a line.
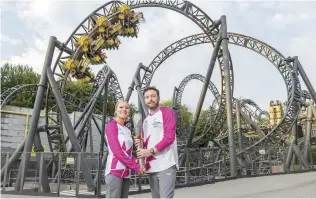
289,27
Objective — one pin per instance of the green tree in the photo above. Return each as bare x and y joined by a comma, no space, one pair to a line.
184,115
204,122
13,75
167,103
81,91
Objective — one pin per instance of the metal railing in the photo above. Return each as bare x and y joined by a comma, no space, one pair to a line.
203,166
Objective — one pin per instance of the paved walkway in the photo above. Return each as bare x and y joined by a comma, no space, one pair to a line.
301,185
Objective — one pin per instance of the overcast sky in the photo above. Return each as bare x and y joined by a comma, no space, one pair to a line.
287,26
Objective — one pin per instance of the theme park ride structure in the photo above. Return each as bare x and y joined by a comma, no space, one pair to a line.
99,32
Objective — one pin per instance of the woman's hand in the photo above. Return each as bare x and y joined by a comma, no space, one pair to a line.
142,171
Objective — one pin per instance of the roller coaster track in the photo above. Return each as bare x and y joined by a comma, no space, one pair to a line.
258,111
14,91
245,103
268,52
179,94
290,78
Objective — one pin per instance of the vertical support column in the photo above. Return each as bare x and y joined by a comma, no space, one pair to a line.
41,164
270,161
131,87
141,160
35,114
294,162
43,172
240,138
202,97
78,173
59,172
290,151
97,180
174,97
140,97
307,140
229,109
90,136
214,159
314,110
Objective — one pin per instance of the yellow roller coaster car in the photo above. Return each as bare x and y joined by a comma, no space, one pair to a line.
112,43
130,30
83,65
85,76
136,17
115,28
121,16
71,65
98,58
124,9
103,23
84,42
97,44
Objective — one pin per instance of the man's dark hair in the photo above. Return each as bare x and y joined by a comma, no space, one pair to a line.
151,88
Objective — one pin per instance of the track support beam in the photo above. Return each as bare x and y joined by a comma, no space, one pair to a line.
202,97
229,103
34,121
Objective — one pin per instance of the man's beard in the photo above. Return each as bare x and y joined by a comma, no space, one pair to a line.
153,106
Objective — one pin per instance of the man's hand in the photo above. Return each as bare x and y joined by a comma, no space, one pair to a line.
143,153
136,141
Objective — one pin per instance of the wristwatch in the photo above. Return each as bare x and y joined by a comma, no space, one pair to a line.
152,151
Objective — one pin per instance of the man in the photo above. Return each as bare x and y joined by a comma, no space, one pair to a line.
159,146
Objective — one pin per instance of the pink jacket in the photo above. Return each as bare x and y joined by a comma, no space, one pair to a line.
120,160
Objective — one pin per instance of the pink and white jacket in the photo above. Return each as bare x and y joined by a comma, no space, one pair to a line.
159,130
120,160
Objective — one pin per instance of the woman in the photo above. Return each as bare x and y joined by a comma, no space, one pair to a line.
120,160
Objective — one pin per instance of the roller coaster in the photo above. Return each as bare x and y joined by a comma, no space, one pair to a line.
234,141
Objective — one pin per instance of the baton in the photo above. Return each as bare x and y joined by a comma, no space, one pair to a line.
137,123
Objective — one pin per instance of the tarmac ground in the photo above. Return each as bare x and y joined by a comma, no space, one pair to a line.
299,185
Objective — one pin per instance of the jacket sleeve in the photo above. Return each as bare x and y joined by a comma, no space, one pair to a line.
169,128
112,135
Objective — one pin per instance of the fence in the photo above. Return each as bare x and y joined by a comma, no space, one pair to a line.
203,166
